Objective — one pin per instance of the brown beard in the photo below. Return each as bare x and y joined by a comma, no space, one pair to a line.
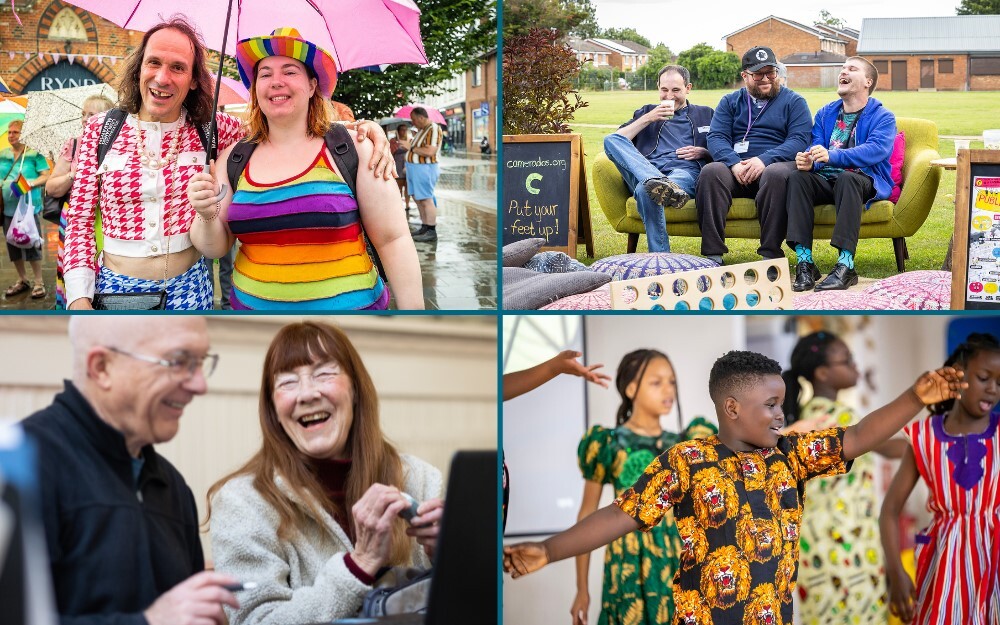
755,91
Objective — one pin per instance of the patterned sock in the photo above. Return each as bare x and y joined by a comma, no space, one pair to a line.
804,254
846,258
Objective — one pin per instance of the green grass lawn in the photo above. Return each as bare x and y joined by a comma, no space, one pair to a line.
956,113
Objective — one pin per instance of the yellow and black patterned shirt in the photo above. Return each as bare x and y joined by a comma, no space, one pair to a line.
425,137
738,514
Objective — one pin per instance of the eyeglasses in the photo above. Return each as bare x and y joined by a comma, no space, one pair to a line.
182,367
321,376
762,75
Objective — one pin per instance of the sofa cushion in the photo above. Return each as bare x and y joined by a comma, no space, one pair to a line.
878,212
628,266
524,289
896,166
598,299
915,290
554,262
742,208
518,253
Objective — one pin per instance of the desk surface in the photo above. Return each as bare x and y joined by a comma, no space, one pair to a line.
946,163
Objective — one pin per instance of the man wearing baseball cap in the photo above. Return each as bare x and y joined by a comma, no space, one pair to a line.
756,133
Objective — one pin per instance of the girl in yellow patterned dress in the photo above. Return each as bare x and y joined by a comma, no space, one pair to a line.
639,567
841,574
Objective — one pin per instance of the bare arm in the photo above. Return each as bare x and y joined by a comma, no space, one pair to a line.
581,604
520,382
901,589
930,388
209,231
596,530
893,448
61,180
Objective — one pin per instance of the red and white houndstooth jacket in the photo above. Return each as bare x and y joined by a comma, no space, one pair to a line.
141,208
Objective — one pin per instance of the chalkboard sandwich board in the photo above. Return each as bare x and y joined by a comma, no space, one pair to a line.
544,191
975,277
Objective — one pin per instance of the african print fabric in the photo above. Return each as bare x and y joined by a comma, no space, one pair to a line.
841,573
739,516
639,567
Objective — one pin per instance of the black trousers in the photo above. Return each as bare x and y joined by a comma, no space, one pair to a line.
715,192
847,191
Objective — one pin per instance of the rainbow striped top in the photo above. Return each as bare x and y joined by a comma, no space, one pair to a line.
301,245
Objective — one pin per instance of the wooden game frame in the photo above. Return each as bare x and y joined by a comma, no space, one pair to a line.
966,160
697,289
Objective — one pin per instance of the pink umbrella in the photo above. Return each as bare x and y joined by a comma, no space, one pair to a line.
432,113
233,92
358,33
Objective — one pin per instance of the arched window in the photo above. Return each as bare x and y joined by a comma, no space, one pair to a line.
66,25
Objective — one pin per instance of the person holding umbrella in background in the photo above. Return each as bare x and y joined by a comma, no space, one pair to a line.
301,226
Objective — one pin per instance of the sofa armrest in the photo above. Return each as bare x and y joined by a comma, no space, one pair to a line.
612,194
919,191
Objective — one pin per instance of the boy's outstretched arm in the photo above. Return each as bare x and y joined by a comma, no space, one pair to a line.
520,382
930,388
595,531
902,592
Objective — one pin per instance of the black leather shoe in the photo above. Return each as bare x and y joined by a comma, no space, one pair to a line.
839,279
806,275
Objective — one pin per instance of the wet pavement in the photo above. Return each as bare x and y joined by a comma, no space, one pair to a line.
459,271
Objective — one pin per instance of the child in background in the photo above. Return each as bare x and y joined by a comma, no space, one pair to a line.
639,567
955,451
738,495
841,577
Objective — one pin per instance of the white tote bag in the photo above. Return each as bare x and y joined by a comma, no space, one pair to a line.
23,231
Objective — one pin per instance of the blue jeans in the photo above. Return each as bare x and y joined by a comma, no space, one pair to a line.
636,170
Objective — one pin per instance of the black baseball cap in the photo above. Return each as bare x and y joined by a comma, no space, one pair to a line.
756,58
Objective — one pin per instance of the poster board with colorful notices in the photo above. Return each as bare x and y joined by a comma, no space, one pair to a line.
975,278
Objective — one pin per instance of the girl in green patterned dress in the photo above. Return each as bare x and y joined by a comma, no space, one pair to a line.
841,573
639,567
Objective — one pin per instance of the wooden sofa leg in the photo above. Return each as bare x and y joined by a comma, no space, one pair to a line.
902,254
633,242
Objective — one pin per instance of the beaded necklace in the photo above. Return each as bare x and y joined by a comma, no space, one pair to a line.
150,158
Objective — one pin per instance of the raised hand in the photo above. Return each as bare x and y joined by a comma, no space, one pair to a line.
381,164
524,558
204,192
566,362
936,386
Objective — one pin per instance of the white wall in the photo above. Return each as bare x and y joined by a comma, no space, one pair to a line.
436,378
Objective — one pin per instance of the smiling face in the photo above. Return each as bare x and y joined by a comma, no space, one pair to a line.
852,79
654,395
14,135
758,414
672,87
982,372
766,86
315,407
283,87
166,76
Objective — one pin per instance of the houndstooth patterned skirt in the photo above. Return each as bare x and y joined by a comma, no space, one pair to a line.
192,290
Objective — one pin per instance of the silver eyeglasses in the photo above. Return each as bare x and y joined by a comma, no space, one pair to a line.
183,367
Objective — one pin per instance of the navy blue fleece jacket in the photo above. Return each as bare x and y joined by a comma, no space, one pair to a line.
780,131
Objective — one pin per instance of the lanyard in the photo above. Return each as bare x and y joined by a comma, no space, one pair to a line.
750,108
19,164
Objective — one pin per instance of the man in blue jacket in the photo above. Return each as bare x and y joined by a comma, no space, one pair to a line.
847,164
755,135
660,152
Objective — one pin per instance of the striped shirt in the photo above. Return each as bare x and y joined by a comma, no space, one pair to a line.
301,244
958,554
426,137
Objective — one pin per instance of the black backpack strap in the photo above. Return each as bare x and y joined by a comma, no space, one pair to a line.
203,132
345,155
113,122
238,159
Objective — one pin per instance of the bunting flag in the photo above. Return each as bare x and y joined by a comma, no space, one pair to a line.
20,186
58,56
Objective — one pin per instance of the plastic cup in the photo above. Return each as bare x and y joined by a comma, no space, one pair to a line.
991,139
669,105
961,144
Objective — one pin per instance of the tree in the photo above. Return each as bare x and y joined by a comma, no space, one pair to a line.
978,7
625,34
689,59
456,35
717,70
538,94
645,77
568,17
827,19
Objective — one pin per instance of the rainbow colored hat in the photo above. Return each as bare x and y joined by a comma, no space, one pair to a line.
287,42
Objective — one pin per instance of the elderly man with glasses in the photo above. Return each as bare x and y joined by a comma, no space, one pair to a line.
755,134
120,522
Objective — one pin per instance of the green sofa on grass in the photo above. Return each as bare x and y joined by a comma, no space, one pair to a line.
884,220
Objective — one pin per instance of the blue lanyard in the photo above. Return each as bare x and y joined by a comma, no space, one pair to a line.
750,108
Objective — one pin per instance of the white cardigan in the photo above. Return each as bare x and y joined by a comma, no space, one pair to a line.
305,579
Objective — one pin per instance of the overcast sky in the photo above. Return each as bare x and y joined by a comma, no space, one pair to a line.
682,23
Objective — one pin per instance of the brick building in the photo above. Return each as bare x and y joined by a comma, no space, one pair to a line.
58,45
481,102
624,56
952,53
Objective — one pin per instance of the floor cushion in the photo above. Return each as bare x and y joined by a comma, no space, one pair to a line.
914,290
629,266
524,289
598,299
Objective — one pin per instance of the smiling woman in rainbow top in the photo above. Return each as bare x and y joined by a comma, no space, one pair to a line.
301,229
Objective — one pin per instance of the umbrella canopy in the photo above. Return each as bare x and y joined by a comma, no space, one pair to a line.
233,92
12,105
432,113
53,117
358,33
394,122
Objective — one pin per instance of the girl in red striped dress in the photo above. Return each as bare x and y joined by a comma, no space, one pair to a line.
955,451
